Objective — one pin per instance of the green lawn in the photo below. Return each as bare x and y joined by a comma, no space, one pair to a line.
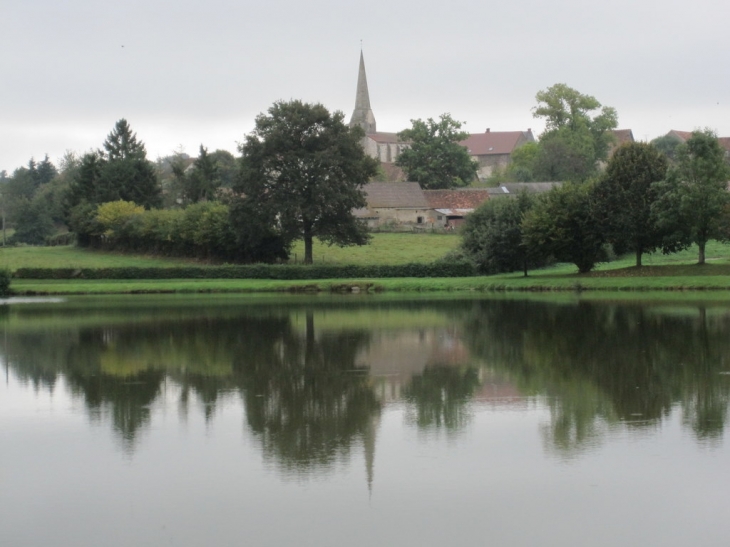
661,272
74,257
384,249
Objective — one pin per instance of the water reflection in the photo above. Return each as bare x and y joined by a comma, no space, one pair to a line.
314,377
602,363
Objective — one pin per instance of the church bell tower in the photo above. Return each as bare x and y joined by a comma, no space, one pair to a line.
363,114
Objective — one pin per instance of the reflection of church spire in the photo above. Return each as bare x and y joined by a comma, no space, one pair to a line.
363,115
369,445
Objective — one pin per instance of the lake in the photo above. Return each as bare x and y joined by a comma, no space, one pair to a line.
364,420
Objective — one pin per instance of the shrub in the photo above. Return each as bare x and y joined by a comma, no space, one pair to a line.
257,271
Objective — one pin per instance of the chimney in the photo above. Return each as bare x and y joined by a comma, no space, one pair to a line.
487,130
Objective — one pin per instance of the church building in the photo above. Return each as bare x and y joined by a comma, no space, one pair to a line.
492,149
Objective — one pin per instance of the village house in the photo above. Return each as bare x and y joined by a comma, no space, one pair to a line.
451,206
491,149
396,205
683,136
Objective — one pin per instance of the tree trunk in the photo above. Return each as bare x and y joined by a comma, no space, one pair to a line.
701,245
638,257
307,245
524,266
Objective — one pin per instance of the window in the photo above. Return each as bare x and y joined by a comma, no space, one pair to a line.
439,217
419,220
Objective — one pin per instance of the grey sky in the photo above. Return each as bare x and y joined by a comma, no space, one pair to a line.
187,72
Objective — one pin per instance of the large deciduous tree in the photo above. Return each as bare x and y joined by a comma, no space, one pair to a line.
492,236
435,159
304,168
564,224
577,134
697,191
627,191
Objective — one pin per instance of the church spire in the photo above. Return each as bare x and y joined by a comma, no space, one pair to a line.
363,114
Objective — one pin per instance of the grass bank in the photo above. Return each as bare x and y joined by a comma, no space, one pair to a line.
384,249
666,278
677,272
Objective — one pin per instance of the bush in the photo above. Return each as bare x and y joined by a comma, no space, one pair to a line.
5,283
492,236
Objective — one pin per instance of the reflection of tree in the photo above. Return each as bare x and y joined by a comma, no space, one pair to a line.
129,400
705,397
440,396
305,397
607,362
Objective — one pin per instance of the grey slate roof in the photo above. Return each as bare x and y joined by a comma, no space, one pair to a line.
400,195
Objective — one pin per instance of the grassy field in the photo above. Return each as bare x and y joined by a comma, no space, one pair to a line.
401,248
660,273
74,257
384,249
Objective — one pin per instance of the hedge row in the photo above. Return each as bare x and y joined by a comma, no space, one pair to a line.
255,271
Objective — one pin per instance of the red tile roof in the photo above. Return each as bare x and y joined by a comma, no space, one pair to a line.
683,135
623,136
724,142
467,198
494,142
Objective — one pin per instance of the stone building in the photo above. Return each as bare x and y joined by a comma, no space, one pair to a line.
397,205
451,206
382,146
491,149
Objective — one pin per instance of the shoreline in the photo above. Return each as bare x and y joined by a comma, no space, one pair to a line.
490,284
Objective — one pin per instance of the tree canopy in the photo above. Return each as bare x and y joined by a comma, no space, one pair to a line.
564,224
303,169
435,159
492,235
577,134
629,189
203,179
697,190
120,171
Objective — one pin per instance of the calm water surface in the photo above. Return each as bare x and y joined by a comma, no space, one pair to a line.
363,421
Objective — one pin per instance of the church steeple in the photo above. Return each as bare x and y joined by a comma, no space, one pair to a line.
363,114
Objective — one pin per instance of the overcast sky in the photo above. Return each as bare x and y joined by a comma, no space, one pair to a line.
187,72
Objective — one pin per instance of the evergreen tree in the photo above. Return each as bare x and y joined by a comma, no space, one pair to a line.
122,143
126,173
45,171
120,171
203,180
